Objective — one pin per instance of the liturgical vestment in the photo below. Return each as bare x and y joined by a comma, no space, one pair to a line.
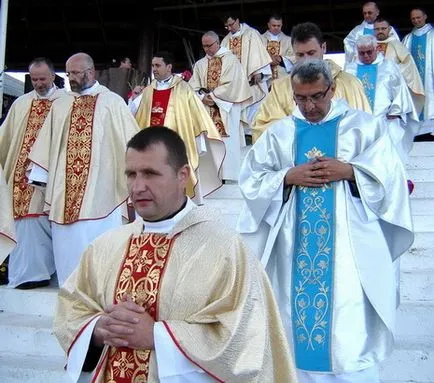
216,318
7,229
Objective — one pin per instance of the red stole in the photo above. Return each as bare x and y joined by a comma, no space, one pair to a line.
160,100
79,151
140,277
22,191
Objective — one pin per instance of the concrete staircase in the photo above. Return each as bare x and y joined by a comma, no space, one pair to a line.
30,353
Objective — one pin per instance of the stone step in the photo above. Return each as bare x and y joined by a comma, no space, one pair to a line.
423,190
421,175
422,149
227,191
32,369
29,334
414,321
40,301
422,206
420,256
417,286
410,362
420,162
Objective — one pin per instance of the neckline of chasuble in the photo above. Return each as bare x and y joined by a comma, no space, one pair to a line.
22,191
78,155
140,277
212,81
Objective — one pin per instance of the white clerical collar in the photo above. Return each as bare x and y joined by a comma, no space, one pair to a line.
365,24
167,225
421,31
49,93
164,84
239,32
220,52
338,107
272,37
90,90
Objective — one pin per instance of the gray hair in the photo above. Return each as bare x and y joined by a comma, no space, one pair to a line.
309,71
366,41
212,34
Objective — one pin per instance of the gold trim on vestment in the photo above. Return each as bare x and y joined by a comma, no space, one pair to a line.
78,155
273,49
235,44
22,191
212,81
140,278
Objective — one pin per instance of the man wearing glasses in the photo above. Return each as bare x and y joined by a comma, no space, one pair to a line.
246,43
318,187
76,158
387,93
307,43
220,82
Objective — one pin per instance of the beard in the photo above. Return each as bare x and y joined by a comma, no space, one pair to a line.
75,86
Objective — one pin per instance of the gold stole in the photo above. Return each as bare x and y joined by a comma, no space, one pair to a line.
22,191
273,49
140,278
212,81
78,154
235,45
381,48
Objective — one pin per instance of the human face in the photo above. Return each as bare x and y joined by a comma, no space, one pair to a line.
79,74
232,25
275,26
210,45
155,188
382,30
160,69
367,55
42,78
313,99
418,18
370,12
308,50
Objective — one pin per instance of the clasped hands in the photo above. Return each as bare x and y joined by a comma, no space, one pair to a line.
125,324
207,100
317,173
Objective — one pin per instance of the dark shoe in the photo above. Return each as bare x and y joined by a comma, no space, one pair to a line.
4,272
33,285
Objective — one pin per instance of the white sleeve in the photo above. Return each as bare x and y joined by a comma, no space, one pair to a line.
36,173
78,352
173,366
200,144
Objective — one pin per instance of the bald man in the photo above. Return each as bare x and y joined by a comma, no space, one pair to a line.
76,156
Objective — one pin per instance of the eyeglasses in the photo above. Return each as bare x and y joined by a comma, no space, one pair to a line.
209,45
314,99
76,72
363,53
230,25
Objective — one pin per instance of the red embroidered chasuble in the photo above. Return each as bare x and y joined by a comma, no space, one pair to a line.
381,48
212,82
140,277
273,49
160,100
78,154
22,191
235,44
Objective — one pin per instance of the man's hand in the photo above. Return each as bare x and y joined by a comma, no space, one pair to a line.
256,78
335,170
276,60
207,100
125,324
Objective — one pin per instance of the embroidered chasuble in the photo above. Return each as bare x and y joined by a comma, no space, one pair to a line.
313,261
79,149
212,81
140,277
22,191
160,100
273,48
368,31
235,45
367,74
418,51
381,48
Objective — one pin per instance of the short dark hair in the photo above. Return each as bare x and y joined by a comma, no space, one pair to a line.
228,16
380,19
165,55
43,60
418,9
176,151
275,16
305,31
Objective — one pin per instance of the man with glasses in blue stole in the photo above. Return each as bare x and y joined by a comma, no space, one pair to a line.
318,190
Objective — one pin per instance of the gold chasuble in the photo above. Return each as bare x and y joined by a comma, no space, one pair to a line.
279,103
199,282
22,191
273,49
7,225
212,81
79,148
140,278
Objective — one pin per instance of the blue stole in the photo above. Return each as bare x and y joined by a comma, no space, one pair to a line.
367,74
368,31
418,51
313,259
